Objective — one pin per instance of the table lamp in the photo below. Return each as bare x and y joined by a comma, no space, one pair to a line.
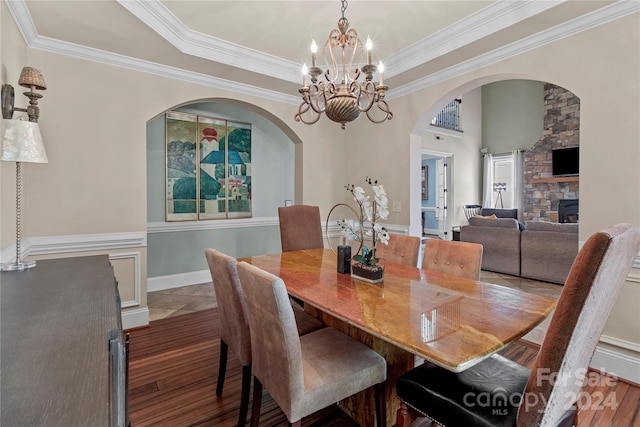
21,142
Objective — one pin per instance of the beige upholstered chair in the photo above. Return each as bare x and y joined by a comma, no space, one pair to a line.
554,384
307,373
300,227
234,325
460,259
401,249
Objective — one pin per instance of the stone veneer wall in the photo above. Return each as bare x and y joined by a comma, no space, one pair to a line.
561,129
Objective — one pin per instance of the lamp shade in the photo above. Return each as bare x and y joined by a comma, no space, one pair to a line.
22,142
32,77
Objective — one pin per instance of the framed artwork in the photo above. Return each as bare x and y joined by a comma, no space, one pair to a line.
210,176
425,182
181,154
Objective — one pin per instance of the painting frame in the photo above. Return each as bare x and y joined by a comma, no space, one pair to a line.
180,172
207,168
425,182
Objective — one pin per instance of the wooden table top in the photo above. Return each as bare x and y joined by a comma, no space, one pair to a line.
452,322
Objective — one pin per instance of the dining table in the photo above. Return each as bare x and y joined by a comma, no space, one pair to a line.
411,316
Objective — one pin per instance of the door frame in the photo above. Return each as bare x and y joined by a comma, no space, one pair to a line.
445,225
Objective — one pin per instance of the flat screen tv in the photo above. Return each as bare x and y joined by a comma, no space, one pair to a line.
565,161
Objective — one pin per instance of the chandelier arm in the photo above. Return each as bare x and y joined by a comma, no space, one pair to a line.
352,40
303,109
368,94
316,98
384,107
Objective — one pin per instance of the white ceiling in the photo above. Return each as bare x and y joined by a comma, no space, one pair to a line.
263,43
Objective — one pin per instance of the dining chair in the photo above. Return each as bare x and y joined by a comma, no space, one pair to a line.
303,374
462,259
540,397
471,210
401,249
234,325
300,227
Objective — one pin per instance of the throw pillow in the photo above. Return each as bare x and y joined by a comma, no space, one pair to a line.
488,216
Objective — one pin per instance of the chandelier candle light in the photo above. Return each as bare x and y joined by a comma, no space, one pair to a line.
342,96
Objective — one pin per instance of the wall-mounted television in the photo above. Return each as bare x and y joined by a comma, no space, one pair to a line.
565,161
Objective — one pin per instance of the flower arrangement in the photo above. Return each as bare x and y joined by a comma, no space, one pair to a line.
371,211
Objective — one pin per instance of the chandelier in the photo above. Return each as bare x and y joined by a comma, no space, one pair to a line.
342,95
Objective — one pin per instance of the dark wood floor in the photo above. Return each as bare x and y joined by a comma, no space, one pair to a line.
173,372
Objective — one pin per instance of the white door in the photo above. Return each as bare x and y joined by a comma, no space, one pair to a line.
442,199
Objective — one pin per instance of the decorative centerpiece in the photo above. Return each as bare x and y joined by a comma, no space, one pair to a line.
364,265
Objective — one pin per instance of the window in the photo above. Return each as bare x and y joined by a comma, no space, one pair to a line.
503,182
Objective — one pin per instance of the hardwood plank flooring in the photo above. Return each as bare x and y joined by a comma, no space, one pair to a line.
173,372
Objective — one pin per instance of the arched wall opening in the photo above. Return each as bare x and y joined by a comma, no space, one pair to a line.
467,169
176,248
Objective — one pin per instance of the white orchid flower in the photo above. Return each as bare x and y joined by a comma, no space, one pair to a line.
379,190
382,200
383,236
383,212
358,194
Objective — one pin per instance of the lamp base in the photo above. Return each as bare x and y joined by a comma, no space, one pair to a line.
17,266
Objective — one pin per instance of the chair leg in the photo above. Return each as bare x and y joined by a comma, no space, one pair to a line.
244,398
222,368
257,402
404,416
381,405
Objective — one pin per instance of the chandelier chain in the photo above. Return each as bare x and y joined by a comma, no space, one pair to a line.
343,8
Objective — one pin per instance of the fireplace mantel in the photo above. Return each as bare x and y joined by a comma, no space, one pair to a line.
557,179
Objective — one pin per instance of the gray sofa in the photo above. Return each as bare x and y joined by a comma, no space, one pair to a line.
500,238
547,250
541,250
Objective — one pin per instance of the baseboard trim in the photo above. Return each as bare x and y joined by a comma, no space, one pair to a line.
620,364
135,318
162,283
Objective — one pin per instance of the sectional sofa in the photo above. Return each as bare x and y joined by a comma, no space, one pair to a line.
537,250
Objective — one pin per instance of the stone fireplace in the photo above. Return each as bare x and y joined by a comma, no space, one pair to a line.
568,210
543,191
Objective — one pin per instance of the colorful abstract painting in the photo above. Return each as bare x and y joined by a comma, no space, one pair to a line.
217,182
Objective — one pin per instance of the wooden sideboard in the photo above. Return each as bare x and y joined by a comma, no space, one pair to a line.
63,353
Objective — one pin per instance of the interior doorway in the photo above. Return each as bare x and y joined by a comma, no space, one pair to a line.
437,194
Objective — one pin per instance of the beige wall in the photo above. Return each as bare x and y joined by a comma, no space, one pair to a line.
603,71
93,120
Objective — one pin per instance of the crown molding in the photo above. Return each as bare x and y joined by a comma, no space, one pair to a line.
161,20
21,16
486,21
501,13
567,29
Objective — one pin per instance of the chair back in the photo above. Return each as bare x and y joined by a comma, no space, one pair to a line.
588,296
300,227
402,249
277,355
471,210
234,324
462,259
